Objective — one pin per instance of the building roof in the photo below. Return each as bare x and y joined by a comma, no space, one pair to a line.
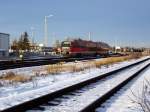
4,33
2,50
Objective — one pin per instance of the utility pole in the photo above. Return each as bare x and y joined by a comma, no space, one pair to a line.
32,35
46,30
54,39
89,35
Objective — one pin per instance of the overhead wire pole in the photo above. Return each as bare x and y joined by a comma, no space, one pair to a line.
46,30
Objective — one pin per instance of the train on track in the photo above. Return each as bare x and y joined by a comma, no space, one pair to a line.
79,47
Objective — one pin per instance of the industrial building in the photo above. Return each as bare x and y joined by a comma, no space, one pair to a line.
4,45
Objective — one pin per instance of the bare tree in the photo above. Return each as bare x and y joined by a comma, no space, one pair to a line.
143,99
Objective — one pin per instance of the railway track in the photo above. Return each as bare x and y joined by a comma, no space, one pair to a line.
36,62
11,64
94,91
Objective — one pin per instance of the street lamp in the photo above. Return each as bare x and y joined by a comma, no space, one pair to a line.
46,30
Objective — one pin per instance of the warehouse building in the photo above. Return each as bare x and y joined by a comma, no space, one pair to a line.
4,45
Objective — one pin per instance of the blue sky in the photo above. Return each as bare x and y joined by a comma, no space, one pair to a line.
117,22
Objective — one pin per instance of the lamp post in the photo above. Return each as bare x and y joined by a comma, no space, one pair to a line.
46,30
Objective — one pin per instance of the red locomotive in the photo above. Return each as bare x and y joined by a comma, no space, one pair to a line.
79,47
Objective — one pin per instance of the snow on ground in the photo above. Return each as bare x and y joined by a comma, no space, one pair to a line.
89,94
40,82
26,91
124,100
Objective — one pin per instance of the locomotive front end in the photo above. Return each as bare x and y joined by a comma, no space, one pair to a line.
65,48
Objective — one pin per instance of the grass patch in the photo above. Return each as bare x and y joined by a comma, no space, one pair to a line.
81,66
11,76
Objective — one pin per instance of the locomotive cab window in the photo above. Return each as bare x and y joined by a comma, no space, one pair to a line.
66,44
